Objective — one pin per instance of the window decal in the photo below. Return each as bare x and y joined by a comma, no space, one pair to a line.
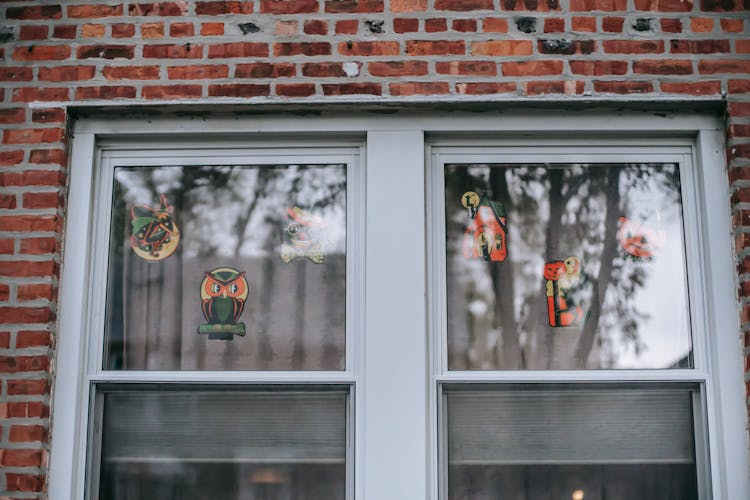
484,237
639,240
565,298
155,234
302,236
224,291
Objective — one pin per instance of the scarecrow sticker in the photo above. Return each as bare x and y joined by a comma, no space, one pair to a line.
485,236
639,241
224,292
154,234
564,287
302,237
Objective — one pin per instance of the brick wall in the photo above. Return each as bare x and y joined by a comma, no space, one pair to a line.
55,54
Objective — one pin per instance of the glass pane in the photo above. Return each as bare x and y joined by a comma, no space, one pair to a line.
176,443
227,268
571,443
565,266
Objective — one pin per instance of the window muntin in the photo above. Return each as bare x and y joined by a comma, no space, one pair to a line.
620,228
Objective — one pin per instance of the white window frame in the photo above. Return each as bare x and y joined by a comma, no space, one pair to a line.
396,405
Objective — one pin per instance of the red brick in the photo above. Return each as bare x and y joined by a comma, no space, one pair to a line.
106,52
172,91
532,68
737,130
264,70
502,48
598,68
181,29
32,177
12,115
34,292
38,246
171,51
4,296
21,458
698,46
315,27
32,94
633,46
152,30
742,46
289,6
738,86
464,25
408,5
212,29
665,5
93,11
323,70
473,68
33,32
41,53
619,87
121,30
436,25
354,6
223,7
197,72
723,5
403,25
66,73
239,90
41,200
26,339
32,135
301,48
18,364
348,27
67,31
36,12
358,88
712,66
553,87
131,72
701,24
740,151
9,158
295,89
93,30
7,201
27,387
532,5
593,5
27,433
435,47
24,482
238,49
4,344
47,156
159,9
732,25
16,74
397,68
495,25
663,66
369,48
584,24
106,92
24,314
553,25
418,88
48,115
671,25
464,5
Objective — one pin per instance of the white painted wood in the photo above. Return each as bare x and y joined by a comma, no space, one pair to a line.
396,457
67,413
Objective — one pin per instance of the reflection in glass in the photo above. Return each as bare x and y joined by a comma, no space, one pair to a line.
227,268
565,266
205,444
542,444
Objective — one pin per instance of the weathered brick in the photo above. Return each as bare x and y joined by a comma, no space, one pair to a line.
570,87
698,46
397,68
472,68
32,94
601,5
9,157
34,12
24,482
47,156
323,70
237,49
408,5
355,88
554,25
671,25
41,200
106,92
172,51
692,88
93,30
532,68
27,433
295,89
159,9
212,29
171,91
123,30
12,115
152,30
32,135
663,66
38,246
464,25
239,90
418,88
598,68
732,25
301,48
435,47
17,364
264,70
94,11
21,458
197,72
315,27
67,31
623,87
464,5
436,25
403,25
24,314
633,46
495,25
7,201
26,339
223,7
27,387
369,48
348,27
41,53
354,6
29,292
105,52
712,66
502,48
131,72
583,24
66,73
33,32
665,5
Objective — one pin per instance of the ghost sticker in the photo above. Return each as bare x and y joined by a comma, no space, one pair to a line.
154,234
223,292
639,241
303,236
485,236
564,289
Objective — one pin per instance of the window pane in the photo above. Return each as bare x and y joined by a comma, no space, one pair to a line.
565,266
229,444
539,443
227,268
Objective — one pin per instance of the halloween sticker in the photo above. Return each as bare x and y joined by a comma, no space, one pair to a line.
485,236
303,236
564,287
154,233
223,291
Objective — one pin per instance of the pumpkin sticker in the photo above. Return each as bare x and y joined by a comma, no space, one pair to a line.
564,290
154,233
639,241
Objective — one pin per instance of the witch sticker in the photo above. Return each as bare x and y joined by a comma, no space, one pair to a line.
224,291
154,233
565,298
303,236
485,236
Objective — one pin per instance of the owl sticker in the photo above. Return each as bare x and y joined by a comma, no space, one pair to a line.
154,234
223,292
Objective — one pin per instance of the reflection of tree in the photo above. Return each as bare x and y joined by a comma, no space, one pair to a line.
555,212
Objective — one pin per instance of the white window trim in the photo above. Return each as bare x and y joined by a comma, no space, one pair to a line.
396,434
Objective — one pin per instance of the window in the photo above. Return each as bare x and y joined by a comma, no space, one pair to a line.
402,305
